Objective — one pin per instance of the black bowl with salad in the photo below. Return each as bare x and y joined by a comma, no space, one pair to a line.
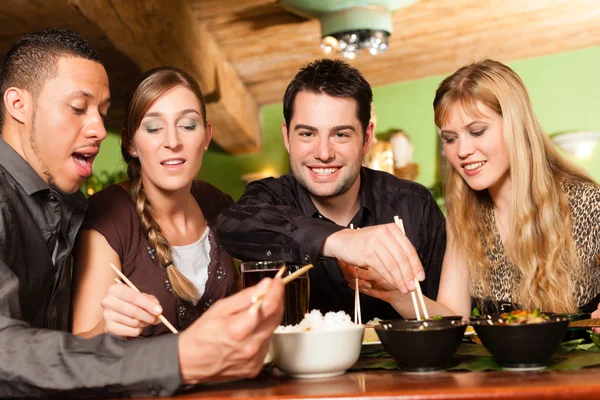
521,340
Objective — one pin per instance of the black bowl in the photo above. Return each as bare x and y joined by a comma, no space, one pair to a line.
421,350
520,346
443,318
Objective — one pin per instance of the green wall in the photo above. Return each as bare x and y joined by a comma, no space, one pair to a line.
564,89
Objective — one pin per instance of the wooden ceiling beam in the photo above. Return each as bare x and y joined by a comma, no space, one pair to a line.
166,32
266,44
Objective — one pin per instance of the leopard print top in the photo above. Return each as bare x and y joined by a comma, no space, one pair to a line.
584,202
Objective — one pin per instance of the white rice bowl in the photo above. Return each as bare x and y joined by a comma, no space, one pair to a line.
319,346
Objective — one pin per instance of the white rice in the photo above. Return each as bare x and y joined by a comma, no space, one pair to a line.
314,321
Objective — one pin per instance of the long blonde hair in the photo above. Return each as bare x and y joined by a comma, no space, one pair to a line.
148,88
540,243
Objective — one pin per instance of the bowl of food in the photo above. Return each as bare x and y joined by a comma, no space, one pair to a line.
318,347
521,340
439,318
421,346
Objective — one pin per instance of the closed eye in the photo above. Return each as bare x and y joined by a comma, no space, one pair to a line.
78,111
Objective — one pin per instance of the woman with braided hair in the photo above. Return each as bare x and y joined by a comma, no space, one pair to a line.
156,227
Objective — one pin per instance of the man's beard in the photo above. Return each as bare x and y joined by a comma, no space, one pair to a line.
36,152
343,186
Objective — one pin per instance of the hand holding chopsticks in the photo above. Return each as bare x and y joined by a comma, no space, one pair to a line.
132,286
400,224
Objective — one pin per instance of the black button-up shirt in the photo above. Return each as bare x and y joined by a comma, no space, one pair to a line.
275,219
38,227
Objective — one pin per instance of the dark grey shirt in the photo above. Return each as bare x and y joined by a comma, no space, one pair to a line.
38,227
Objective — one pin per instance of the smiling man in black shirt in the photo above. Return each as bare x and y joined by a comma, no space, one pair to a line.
303,217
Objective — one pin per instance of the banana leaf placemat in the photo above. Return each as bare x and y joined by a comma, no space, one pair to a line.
475,357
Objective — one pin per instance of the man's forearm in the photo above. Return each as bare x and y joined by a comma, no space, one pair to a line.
40,361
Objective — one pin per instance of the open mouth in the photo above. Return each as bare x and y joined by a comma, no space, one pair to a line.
173,163
83,162
474,166
324,171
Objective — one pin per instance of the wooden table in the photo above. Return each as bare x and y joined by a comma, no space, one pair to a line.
575,384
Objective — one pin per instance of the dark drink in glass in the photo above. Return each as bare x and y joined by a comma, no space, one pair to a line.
252,277
297,292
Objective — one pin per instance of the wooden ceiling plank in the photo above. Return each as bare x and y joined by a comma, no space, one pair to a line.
165,32
430,38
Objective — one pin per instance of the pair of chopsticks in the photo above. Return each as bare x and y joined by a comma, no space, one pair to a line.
400,225
258,299
357,312
131,285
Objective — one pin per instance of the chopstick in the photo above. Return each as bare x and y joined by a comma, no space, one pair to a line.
400,225
415,305
131,285
296,274
357,312
258,299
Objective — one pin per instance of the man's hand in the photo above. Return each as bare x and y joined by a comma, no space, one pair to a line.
126,312
369,282
384,248
228,341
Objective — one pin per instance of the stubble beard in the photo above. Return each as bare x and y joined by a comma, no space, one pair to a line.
343,185
35,147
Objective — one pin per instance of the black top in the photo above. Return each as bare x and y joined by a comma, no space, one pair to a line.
37,231
275,219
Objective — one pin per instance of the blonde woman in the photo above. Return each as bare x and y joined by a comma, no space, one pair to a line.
156,227
523,223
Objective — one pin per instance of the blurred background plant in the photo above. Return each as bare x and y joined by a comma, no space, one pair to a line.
98,182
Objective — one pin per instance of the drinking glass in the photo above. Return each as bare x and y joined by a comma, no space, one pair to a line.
297,292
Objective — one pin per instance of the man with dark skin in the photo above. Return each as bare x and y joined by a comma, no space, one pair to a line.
55,96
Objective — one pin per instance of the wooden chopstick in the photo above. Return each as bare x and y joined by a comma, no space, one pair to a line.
131,285
414,300
400,225
296,274
258,299
421,298
357,312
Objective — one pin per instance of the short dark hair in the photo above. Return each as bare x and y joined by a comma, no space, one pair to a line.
334,78
34,59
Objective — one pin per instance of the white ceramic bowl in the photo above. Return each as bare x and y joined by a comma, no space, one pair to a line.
316,354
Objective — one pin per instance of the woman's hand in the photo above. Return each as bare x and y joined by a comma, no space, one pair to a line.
126,312
369,282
